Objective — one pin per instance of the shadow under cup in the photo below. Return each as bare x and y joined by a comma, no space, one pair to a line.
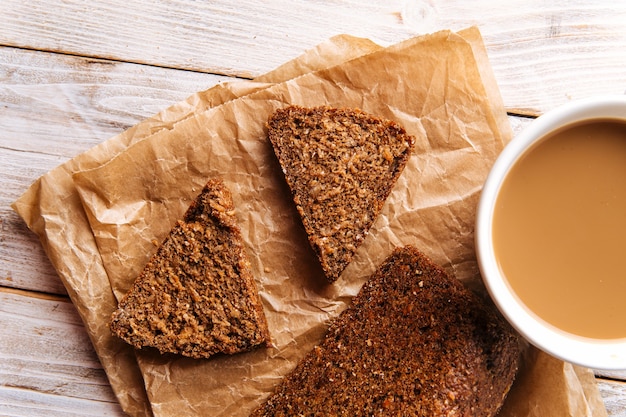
551,232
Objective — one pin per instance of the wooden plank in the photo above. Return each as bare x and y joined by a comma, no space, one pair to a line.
23,263
26,403
55,107
547,53
617,375
614,396
243,38
62,105
543,53
47,363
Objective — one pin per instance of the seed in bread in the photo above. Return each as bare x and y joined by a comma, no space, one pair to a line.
413,342
196,296
341,165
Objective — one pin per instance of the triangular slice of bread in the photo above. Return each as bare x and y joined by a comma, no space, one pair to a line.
196,296
413,342
341,165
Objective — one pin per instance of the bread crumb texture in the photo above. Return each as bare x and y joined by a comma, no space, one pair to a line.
413,342
196,296
341,165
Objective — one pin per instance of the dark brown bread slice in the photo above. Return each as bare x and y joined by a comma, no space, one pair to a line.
341,165
196,296
414,342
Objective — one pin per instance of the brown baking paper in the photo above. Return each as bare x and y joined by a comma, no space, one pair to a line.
440,87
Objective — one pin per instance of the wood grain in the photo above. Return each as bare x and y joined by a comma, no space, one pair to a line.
543,53
61,104
614,398
48,364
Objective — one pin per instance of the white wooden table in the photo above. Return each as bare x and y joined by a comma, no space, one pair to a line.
74,73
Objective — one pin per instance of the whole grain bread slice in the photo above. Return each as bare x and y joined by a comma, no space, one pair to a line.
341,165
413,342
197,295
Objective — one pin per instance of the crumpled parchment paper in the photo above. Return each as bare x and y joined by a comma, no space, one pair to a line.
100,215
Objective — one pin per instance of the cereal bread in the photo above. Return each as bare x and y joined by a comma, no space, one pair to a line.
340,165
196,296
413,342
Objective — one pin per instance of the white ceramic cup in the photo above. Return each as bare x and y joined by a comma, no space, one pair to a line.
588,352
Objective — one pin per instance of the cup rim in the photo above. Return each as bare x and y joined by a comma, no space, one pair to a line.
593,353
